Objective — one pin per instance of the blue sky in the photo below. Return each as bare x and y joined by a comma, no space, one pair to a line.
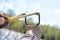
49,9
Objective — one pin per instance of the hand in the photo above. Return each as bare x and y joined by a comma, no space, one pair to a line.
3,21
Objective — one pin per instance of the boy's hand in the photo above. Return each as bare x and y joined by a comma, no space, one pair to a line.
3,21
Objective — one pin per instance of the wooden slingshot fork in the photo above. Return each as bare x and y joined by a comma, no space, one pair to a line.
9,19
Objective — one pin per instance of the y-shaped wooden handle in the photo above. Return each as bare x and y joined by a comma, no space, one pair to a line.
21,16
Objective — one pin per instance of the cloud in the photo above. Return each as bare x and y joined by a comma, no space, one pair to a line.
57,11
1,7
51,22
7,5
42,22
34,7
4,6
22,6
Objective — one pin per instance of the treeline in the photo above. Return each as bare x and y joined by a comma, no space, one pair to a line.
50,33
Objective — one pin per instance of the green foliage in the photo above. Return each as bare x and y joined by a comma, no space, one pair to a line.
50,33
17,25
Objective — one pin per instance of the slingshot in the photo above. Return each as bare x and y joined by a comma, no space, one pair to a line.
10,19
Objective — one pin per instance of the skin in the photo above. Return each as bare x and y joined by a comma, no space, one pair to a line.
2,20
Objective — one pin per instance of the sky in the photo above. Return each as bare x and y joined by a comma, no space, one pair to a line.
49,9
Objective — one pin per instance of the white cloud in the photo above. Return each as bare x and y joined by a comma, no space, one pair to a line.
7,5
1,7
57,11
42,22
4,6
23,7
34,7
51,22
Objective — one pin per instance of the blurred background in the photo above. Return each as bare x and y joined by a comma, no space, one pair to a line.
49,11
